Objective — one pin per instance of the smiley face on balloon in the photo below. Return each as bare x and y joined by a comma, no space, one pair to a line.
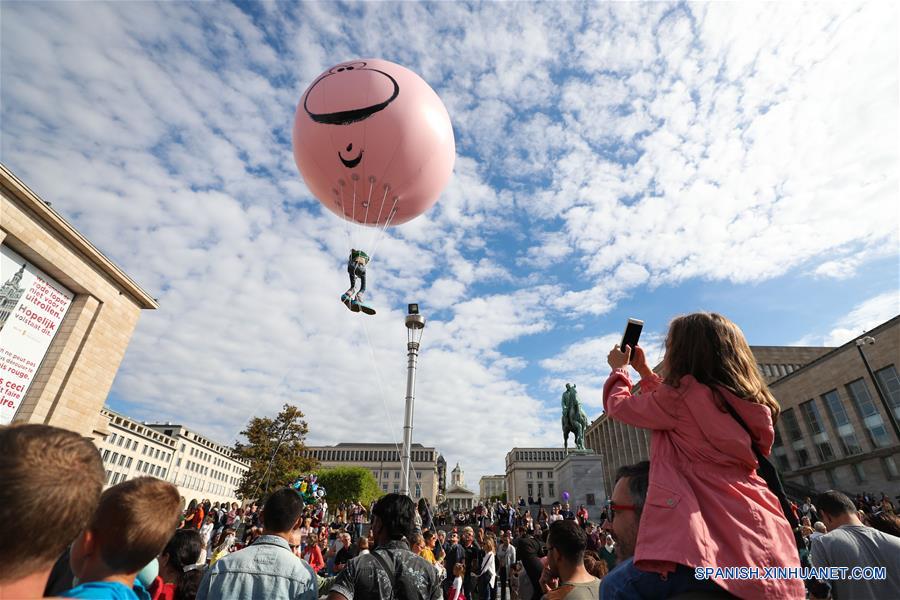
373,142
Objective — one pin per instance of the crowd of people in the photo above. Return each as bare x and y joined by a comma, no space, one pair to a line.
703,501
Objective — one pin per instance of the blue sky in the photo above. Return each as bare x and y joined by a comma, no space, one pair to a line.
613,160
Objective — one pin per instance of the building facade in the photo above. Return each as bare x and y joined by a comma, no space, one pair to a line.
619,444
834,431
69,315
529,473
199,467
491,486
384,462
459,497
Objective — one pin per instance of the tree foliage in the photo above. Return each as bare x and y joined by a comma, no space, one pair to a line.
275,449
344,484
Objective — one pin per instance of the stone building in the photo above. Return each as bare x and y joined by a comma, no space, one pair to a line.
835,431
199,467
64,339
491,486
529,473
384,462
458,496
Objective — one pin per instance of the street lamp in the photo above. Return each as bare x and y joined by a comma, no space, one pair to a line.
415,324
868,341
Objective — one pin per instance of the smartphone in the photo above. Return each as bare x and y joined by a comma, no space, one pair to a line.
632,334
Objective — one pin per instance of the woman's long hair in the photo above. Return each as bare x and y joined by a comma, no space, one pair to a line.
713,350
183,551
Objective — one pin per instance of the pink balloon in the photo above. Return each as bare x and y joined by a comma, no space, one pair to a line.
373,142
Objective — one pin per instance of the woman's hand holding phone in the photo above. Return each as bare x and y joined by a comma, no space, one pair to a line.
639,362
618,359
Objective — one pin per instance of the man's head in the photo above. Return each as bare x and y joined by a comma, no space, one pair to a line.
820,527
468,536
835,509
565,547
626,506
282,512
43,466
345,539
393,518
416,543
454,537
442,535
132,524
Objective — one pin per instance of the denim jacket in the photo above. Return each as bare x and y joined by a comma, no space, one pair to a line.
265,569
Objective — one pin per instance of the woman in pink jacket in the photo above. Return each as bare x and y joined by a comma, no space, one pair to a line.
705,506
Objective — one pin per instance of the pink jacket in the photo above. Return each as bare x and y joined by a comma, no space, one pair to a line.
706,506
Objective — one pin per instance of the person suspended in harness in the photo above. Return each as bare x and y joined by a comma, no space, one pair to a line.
356,267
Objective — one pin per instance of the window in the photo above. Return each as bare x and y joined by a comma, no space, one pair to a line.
531,490
396,488
528,475
890,386
890,467
109,475
550,476
115,457
128,463
396,474
178,462
120,441
551,490
859,473
803,457
112,439
869,414
418,491
139,465
817,429
540,474
105,455
793,427
838,415
541,490
384,487
418,474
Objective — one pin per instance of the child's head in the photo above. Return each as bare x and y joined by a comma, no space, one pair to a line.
132,524
714,351
459,569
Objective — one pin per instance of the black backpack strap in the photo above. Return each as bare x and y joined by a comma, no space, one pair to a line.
767,469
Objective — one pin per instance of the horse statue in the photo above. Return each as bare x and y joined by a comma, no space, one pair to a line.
574,420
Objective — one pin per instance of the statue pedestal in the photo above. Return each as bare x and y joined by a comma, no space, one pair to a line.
581,474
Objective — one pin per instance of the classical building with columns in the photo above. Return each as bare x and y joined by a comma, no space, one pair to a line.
458,496
67,311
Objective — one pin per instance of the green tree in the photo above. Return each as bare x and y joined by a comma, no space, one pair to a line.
349,483
276,451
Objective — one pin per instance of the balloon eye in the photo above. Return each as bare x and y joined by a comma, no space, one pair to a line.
349,68
341,69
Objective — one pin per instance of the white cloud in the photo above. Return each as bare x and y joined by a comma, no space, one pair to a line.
863,317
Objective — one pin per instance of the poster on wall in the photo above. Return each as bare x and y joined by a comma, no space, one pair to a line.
32,306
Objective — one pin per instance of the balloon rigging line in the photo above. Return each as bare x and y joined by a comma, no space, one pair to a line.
383,198
384,405
344,216
369,199
387,224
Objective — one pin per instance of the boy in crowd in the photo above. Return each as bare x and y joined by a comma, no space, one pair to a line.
132,524
43,466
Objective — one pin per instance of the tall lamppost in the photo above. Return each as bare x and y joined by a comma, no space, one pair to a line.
415,324
865,341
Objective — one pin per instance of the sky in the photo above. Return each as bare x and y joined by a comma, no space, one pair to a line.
613,160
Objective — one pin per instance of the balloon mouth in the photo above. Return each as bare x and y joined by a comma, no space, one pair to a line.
351,163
